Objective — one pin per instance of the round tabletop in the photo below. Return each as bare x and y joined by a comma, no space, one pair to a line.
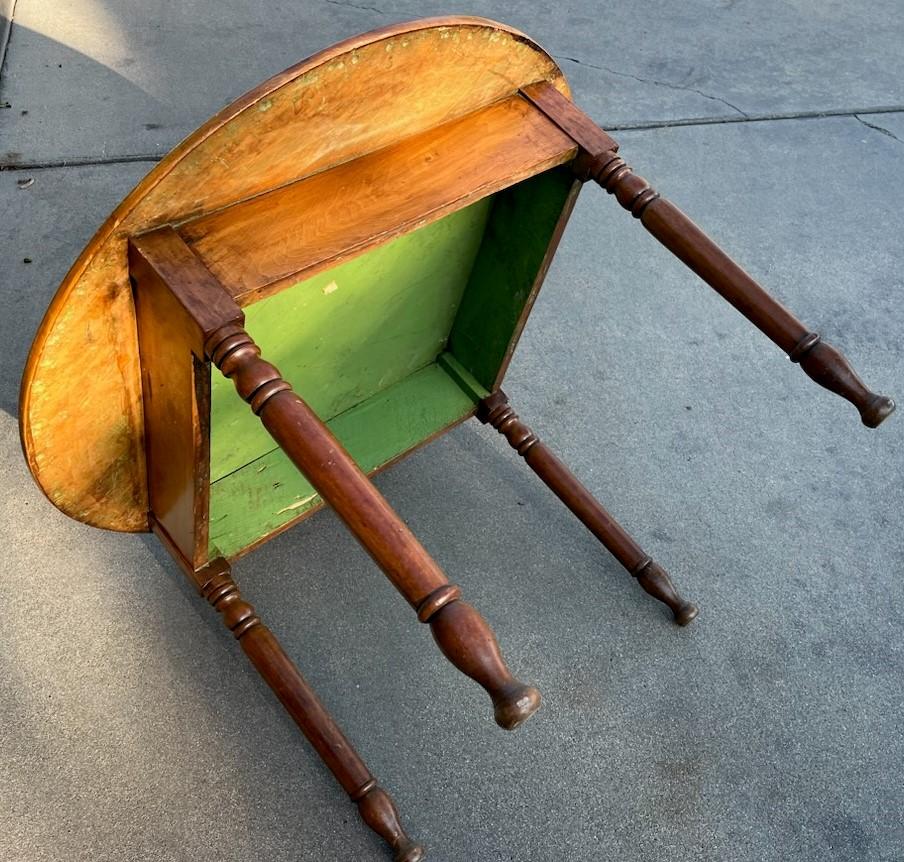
80,412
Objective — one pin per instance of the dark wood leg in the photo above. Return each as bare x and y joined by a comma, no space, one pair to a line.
599,161
462,634
496,411
821,362
375,805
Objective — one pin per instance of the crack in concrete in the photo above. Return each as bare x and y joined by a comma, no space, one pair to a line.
78,162
667,84
731,119
355,5
879,129
18,164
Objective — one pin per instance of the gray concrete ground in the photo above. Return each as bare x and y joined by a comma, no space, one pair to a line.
772,729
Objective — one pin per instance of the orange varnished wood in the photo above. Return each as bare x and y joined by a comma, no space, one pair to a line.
172,329
258,246
86,451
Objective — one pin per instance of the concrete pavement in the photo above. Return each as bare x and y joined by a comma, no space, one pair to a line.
771,729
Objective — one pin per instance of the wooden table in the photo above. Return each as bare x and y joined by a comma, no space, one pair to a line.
380,217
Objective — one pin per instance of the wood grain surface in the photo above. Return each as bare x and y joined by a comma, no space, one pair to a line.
258,246
80,412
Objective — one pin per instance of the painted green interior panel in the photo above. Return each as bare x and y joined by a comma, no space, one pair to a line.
389,348
352,330
523,219
270,492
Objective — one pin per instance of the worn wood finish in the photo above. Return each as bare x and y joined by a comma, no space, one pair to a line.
496,411
354,98
172,327
215,583
462,634
600,161
257,247
176,386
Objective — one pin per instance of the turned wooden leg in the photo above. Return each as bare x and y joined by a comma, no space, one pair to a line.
462,634
824,364
260,645
496,411
599,161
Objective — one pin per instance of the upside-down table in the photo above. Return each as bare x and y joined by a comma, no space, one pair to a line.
375,221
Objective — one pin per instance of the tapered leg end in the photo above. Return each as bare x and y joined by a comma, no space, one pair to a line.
469,643
409,853
379,812
877,411
830,368
686,614
515,706
656,581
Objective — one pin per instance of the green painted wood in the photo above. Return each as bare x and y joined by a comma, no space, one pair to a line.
389,348
520,227
466,381
353,330
269,492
